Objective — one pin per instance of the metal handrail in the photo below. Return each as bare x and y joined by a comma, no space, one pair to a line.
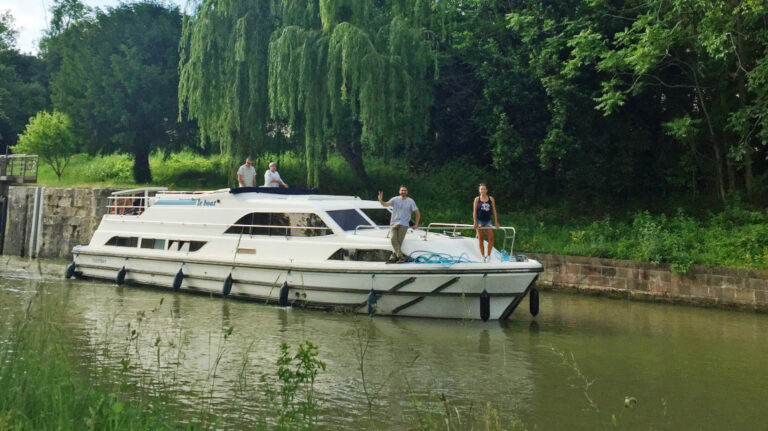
132,220
459,226
139,190
277,226
455,226
18,168
370,226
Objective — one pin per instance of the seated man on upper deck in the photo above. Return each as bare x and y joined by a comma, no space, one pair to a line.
272,177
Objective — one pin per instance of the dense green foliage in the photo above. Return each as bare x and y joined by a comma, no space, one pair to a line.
50,137
352,74
116,75
23,85
597,102
223,73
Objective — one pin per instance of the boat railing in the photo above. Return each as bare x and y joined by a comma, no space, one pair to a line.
454,230
188,192
131,201
265,226
370,226
227,225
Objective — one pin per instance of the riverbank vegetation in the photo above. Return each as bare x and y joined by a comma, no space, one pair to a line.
133,383
116,376
621,129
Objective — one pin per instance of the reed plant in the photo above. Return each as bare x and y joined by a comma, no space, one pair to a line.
132,377
40,389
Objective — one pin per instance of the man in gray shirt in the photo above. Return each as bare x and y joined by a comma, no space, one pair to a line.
403,208
246,175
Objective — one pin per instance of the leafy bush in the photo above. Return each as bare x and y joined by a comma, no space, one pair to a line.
114,168
49,136
187,169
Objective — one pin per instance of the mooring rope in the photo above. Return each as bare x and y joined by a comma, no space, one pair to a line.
444,259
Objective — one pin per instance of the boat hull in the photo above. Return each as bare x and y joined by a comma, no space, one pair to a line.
416,290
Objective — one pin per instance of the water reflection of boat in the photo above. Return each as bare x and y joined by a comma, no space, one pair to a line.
297,247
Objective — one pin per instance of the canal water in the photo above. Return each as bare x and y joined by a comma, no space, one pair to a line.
583,363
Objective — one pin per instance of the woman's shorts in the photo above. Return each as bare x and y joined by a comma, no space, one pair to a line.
484,223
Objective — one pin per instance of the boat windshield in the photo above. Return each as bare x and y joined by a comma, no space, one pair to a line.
380,216
348,219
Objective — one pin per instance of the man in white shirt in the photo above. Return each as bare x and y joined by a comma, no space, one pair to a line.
272,177
246,175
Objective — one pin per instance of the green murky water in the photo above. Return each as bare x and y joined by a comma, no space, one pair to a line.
572,367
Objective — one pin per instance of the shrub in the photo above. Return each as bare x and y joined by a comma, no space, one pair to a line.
187,169
115,168
49,136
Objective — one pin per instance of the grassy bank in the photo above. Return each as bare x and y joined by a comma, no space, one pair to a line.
732,235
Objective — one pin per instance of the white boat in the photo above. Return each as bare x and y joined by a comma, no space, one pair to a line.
299,248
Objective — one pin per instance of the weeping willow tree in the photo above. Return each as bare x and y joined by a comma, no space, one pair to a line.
223,72
353,74
349,73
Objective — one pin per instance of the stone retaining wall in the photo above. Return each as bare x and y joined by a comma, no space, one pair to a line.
702,285
68,217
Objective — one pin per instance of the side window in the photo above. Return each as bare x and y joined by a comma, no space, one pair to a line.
184,246
196,245
309,220
348,219
157,244
361,255
246,224
278,224
279,219
123,241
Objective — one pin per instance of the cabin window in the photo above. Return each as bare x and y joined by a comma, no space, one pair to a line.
123,241
361,255
380,216
157,244
185,246
196,245
308,220
270,224
348,219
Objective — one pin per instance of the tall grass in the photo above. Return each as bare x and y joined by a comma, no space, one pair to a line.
135,385
41,390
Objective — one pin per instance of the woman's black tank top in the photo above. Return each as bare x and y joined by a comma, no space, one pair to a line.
484,209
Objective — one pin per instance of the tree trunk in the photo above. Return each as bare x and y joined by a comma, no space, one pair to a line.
731,169
141,172
353,154
719,176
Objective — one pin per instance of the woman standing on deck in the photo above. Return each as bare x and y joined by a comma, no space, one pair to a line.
482,208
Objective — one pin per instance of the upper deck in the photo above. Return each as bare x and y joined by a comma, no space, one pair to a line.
135,202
